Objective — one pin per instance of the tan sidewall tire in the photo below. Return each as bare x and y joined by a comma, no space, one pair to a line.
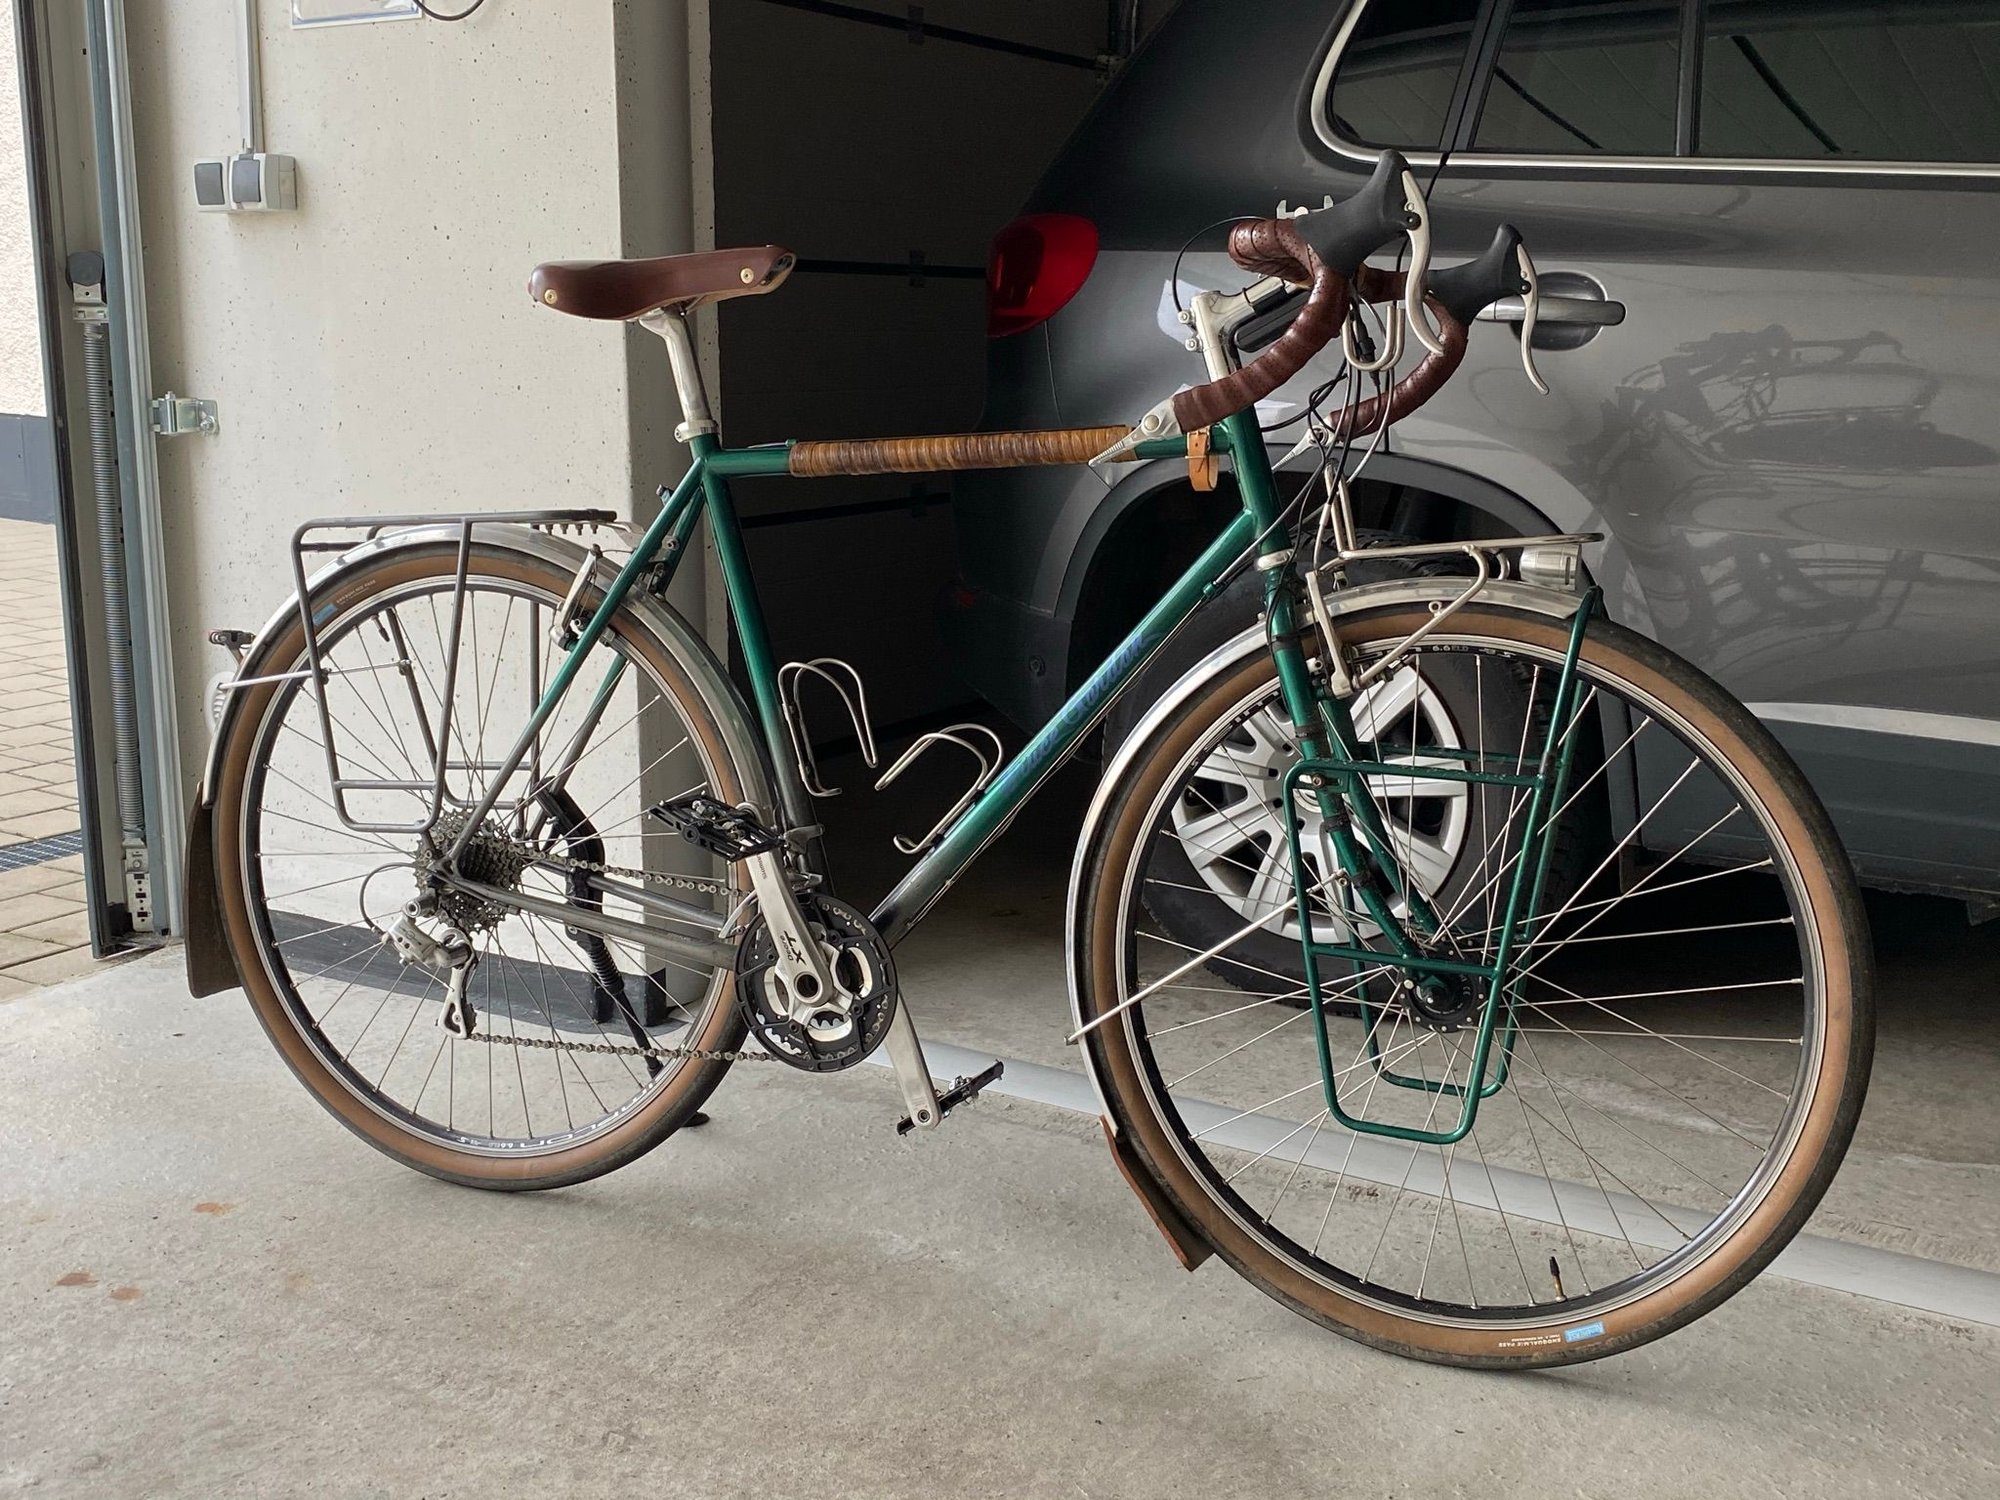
1826,885
630,1138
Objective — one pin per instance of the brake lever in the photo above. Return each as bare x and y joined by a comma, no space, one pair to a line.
1416,283
1392,340
1531,305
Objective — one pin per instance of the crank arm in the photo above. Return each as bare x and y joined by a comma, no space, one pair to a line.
800,961
963,1091
913,1074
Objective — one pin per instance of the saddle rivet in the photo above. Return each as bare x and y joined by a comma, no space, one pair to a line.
550,296
747,275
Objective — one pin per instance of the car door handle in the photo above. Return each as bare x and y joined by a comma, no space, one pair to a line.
1596,312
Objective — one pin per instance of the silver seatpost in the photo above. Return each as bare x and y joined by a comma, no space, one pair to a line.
670,323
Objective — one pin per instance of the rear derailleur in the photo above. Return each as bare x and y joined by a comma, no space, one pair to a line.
448,951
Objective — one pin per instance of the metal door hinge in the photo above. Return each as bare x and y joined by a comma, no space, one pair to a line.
177,416
139,888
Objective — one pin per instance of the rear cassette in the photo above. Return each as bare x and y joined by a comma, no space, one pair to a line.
828,1040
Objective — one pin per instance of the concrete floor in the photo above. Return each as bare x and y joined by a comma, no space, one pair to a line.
210,1289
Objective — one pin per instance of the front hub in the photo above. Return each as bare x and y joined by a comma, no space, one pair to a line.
1441,1002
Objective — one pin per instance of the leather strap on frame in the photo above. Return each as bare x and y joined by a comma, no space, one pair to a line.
1203,466
965,450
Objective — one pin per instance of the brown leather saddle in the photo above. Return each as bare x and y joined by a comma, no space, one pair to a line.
621,290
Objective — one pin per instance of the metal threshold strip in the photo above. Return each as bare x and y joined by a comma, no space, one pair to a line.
1860,1270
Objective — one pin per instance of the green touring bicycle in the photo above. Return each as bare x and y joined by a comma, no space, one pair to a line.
1551,1017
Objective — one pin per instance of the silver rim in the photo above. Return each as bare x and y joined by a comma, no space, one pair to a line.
320,893
1268,1153
1231,826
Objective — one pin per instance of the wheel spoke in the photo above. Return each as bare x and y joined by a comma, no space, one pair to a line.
1657,1031
367,1016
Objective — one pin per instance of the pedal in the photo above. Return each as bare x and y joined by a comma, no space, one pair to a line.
962,1091
717,827
236,642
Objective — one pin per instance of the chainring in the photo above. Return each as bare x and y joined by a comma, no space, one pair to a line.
861,962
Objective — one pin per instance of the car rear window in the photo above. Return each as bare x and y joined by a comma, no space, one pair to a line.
1881,82
1757,80
1398,72
1580,79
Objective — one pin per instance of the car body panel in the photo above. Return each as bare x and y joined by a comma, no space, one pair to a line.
1792,441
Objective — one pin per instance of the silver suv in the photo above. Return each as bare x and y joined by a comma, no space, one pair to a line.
1775,357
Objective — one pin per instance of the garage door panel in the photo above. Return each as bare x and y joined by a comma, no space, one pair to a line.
866,152
844,141
853,356
1075,26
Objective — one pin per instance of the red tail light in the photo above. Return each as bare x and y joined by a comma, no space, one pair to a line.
1038,263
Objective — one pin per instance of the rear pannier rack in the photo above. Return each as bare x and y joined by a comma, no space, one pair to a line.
323,536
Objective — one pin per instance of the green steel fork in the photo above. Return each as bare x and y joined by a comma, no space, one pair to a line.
1339,783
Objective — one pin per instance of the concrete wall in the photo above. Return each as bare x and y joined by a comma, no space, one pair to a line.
20,330
26,481
377,351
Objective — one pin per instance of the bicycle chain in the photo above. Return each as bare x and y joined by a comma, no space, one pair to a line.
703,884
619,1049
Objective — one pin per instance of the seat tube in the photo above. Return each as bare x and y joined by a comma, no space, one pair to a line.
752,638
698,430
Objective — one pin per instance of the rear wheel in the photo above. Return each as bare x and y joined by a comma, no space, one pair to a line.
1695,1029
550,1089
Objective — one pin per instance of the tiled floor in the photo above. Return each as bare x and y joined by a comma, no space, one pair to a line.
44,936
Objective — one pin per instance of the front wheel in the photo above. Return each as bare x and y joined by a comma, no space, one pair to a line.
1693,1022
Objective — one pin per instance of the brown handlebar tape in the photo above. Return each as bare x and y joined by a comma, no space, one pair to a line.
963,450
1270,243
1270,247
1415,388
